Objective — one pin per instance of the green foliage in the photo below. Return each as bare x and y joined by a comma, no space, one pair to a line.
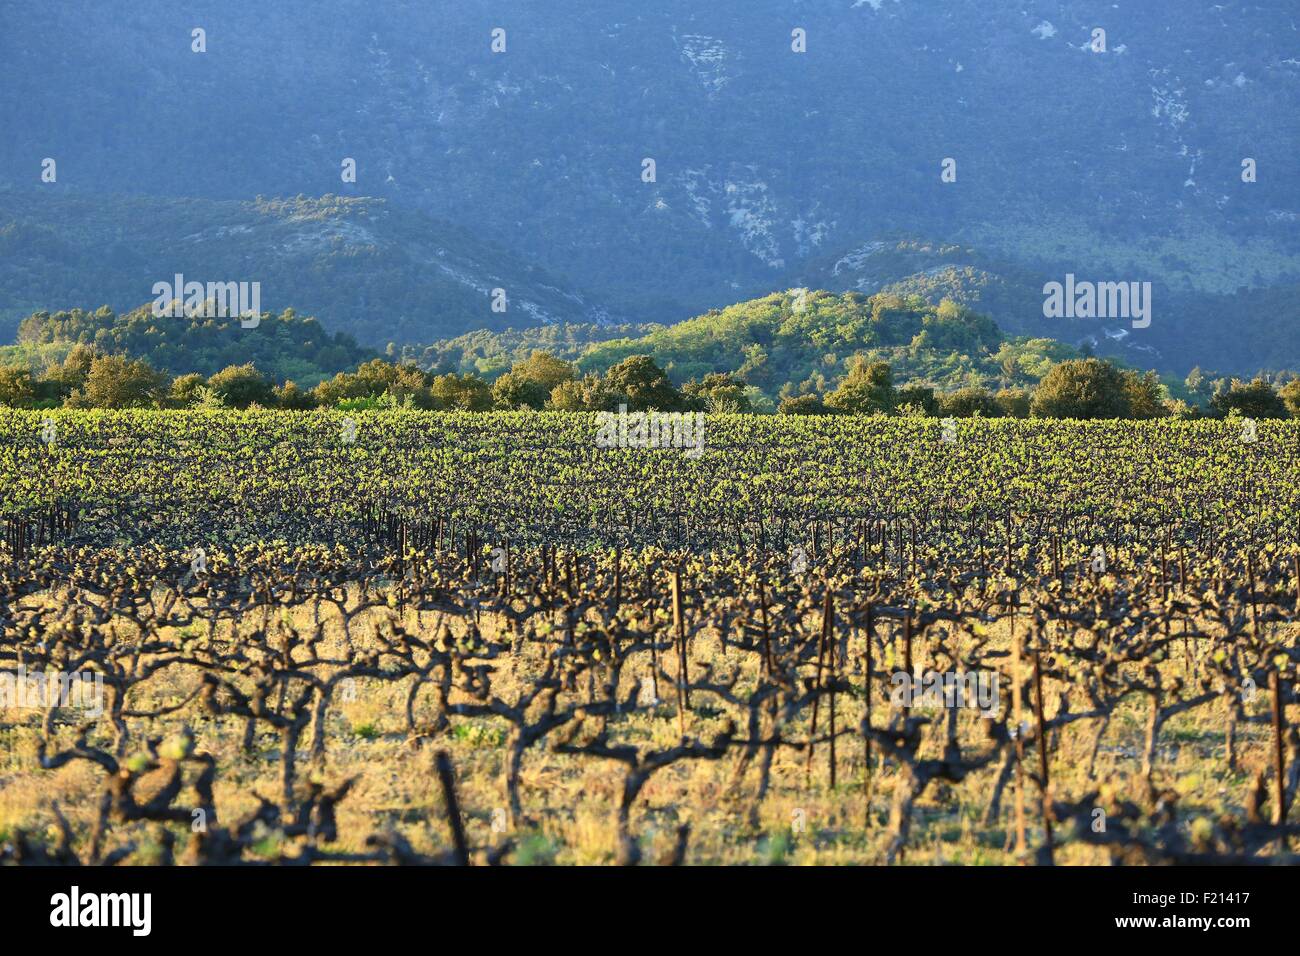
1290,395
587,394
490,353
17,387
799,335
283,346
239,386
531,381
718,392
971,402
804,405
919,400
186,390
1082,388
466,393
1254,399
1014,402
398,384
760,336
290,396
117,382
868,389
642,385
1145,395
512,391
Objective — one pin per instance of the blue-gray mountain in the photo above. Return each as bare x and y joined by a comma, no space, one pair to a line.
772,167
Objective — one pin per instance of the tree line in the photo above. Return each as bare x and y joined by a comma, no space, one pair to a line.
1076,388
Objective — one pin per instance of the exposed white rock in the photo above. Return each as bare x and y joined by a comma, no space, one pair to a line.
708,58
752,213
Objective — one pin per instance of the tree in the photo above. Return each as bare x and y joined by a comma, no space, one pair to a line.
803,405
643,385
867,389
1255,399
72,372
1081,388
239,386
588,394
186,390
467,393
17,388
410,383
290,396
286,345
718,392
116,382
1145,395
1181,410
543,369
971,402
377,376
919,397
341,387
1199,385
1290,396
511,391
1014,402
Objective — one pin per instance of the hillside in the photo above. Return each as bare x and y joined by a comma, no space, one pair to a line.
794,340
286,346
1121,164
1263,321
489,353
362,266
812,337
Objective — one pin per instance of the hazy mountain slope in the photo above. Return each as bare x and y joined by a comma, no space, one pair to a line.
381,273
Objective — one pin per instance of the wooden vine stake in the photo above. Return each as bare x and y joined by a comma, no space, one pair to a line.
679,628
1279,761
907,657
618,579
828,645
1042,754
866,755
1018,729
448,781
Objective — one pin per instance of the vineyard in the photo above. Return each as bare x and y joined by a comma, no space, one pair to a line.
406,637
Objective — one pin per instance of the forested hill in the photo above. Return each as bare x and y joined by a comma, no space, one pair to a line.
794,341
286,346
797,338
